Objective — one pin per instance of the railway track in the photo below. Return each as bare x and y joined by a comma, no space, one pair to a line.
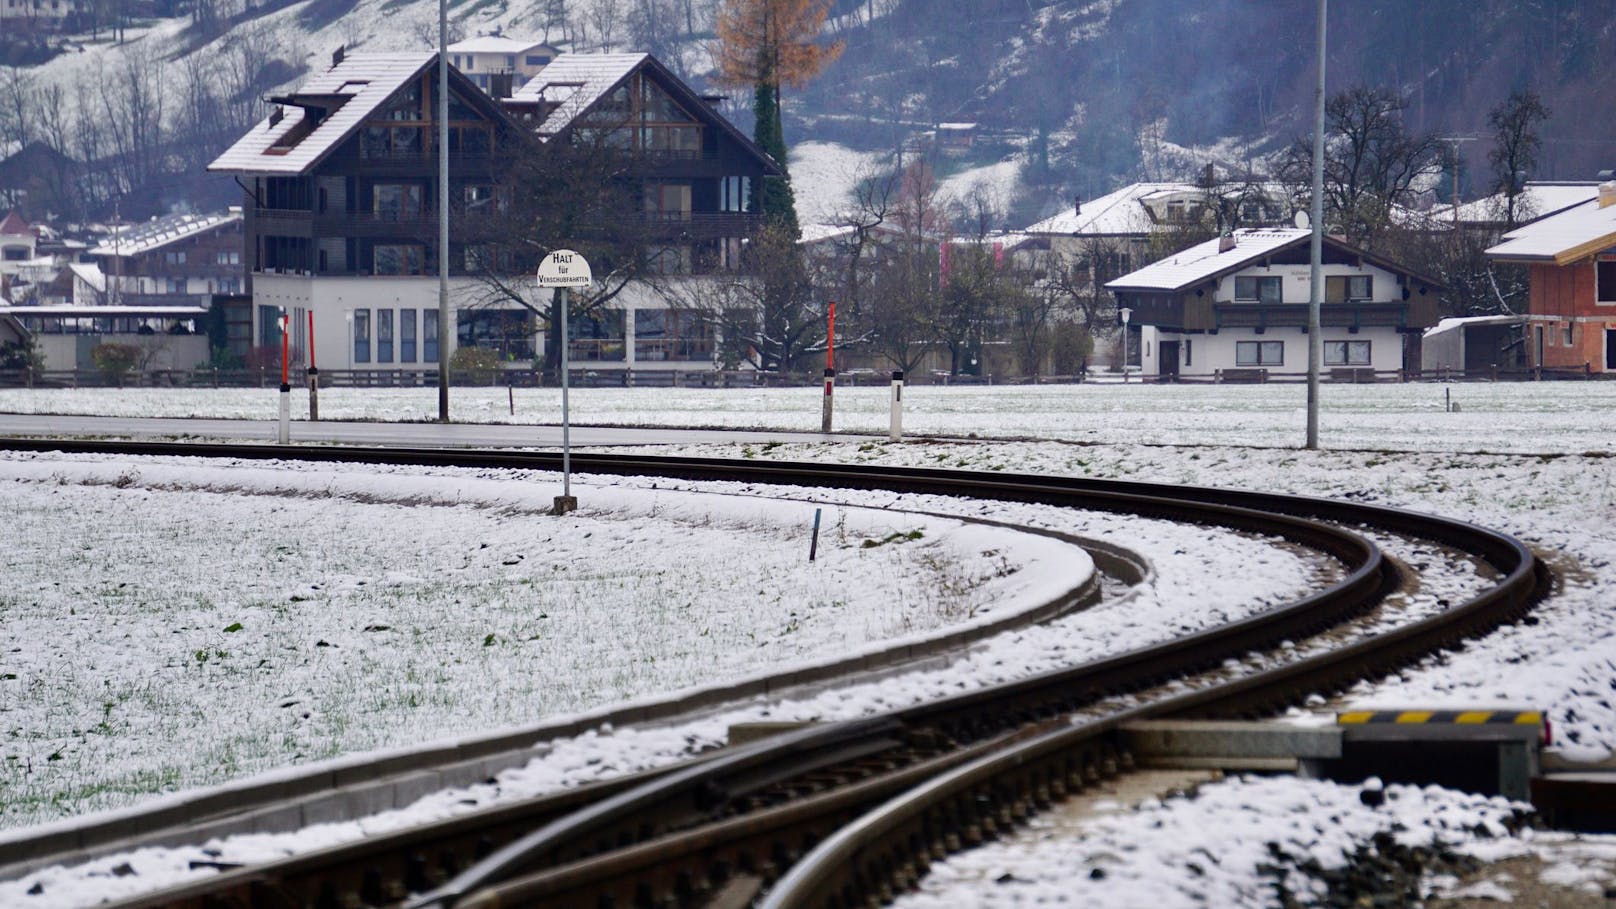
870,802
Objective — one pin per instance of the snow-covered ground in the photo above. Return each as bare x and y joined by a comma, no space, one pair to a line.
1519,417
1530,460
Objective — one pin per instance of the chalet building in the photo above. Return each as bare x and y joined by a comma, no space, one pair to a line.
500,65
38,181
176,260
19,242
1236,308
342,201
1571,313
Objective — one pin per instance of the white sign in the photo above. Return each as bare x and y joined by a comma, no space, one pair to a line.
564,268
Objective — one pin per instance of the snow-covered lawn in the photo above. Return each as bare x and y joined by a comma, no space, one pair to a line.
172,625
1521,417
1531,460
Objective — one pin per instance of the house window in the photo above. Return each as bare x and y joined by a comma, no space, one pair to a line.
510,61
671,334
399,260
1570,333
1260,289
226,257
733,193
176,285
506,332
597,336
1606,279
1346,353
429,335
396,201
361,336
384,336
667,201
538,60
1189,350
668,260
174,258
1259,353
1341,288
406,336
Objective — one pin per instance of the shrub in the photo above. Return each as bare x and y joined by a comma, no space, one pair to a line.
115,360
479,364
21,355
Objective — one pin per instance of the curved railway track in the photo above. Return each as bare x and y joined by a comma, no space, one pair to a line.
870,802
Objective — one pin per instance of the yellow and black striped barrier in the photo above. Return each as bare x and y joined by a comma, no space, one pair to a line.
1441,717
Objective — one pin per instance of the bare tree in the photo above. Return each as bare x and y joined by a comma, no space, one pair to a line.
603,18
1516,146
1372,163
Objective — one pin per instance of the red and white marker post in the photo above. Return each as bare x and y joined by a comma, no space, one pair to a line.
830,369
314,375
286,385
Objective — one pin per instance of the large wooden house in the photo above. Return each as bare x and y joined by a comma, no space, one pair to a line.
1571,316
343,198
1236,307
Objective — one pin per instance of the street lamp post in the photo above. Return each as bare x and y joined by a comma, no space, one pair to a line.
1126,314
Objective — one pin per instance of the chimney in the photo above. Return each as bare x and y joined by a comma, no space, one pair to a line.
1077,205
338,54
1225,242
1607,194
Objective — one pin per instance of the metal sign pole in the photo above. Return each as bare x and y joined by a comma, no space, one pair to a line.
566,417
564,269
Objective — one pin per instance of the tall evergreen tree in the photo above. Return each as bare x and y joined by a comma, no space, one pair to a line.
763,44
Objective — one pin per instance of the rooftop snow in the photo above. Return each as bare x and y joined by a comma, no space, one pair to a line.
1203,261
493,44
1564,238
1119,212
1536,200
367,79
576,81
135,239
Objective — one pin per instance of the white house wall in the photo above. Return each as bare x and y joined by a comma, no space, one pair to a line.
1298,279
1211,352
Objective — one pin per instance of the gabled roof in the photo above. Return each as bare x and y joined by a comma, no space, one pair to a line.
346,93
132,240
1203,262
1538,199
1573,234
14,226
1121,212
575,83
494,44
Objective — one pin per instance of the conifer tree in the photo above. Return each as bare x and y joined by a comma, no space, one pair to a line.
762,45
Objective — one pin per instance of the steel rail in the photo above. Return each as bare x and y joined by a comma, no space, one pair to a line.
1043,696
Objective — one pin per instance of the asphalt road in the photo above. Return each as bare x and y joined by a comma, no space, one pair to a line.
435,435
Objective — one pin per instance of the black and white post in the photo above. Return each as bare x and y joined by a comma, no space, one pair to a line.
895,429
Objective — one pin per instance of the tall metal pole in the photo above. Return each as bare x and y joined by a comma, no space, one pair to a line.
566,416
442,113
1315,341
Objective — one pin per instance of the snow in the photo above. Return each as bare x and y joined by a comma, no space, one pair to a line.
1530,459
823,175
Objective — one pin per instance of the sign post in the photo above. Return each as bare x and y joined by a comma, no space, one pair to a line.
895,429
286,385
830,369
563,270
314,376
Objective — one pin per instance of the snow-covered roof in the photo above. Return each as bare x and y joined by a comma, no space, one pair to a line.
90,274
181,312
1203,261
365,81
1573,234
494,44
135,239
1455,323
575,82
1118,212
1538,199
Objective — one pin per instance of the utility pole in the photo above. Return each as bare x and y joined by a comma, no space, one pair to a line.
1315,343
441,111
1456,140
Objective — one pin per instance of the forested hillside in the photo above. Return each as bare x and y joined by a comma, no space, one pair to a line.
1091,92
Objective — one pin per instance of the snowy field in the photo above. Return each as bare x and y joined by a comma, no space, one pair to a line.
1516,417
1531,460
171,625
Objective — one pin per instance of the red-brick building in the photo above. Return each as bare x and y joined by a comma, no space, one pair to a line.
1571,319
